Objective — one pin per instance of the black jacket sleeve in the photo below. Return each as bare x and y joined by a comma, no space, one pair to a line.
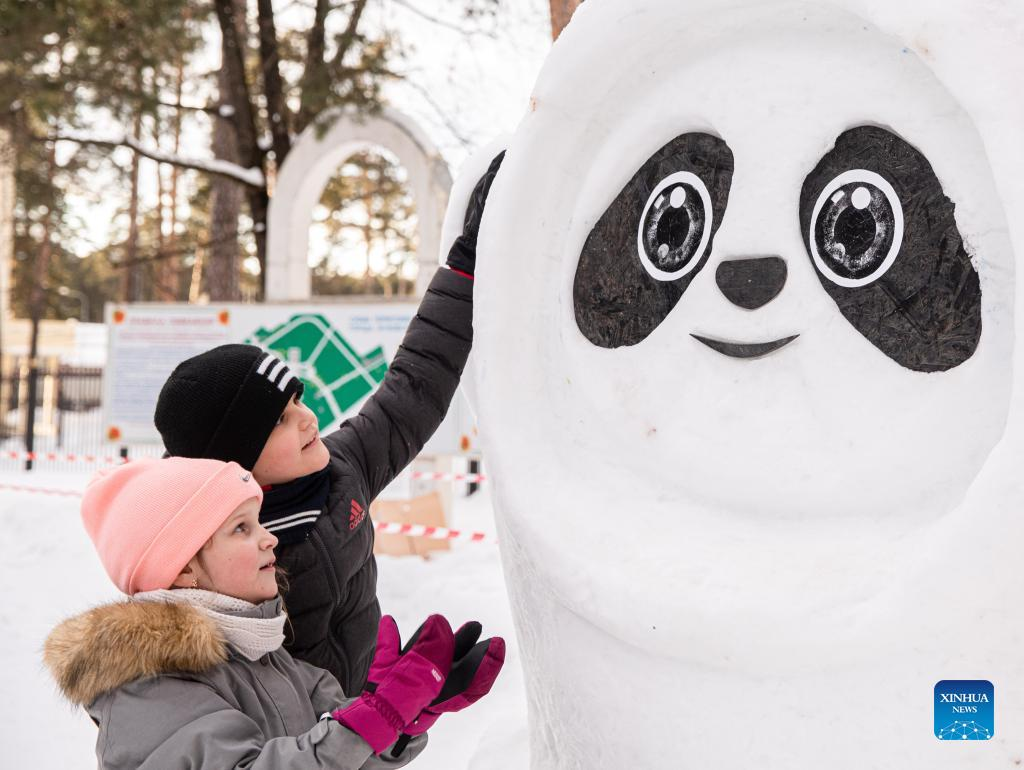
411,402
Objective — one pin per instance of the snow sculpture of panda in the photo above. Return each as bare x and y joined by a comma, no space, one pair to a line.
746,337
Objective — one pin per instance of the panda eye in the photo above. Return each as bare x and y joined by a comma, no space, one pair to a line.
675,227
652,241
885,244
856,228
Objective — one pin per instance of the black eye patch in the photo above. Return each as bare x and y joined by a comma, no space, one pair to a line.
881,234
652,240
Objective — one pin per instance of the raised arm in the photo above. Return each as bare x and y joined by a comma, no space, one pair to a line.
414,397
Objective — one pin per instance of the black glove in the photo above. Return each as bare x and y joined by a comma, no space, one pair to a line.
462,255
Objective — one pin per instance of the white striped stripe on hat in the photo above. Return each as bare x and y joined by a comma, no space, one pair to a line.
279,369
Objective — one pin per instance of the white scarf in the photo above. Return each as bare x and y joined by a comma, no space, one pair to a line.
253,637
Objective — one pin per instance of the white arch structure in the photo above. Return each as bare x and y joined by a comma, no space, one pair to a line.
314,159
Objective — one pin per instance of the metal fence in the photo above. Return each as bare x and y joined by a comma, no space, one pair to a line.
67,423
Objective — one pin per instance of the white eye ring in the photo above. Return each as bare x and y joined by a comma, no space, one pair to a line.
697,184
849,177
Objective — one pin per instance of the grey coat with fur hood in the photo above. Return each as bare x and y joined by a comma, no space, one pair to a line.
167,692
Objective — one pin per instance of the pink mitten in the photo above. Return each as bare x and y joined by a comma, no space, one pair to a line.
387,653
474,670
405,688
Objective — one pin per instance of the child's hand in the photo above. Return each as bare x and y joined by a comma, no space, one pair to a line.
387,652
405,688
475,666
474,669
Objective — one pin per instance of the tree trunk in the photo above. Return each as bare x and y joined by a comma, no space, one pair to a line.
133,284
40,284
315,80
6,223
171,273
368,273
167,281
197,277
159,271
561,12
259,204
273,86
235,93
225,204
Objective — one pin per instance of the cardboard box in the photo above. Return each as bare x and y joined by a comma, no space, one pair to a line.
426,509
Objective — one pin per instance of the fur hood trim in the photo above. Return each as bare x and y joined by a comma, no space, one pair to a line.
114,644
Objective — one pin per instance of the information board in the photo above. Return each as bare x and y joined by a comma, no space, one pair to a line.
341,352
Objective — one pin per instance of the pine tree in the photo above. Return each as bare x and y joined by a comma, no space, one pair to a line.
64,65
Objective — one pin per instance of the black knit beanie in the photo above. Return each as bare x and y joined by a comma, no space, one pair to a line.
223,404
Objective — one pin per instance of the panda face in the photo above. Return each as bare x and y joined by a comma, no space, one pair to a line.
765,264
878,228
743,327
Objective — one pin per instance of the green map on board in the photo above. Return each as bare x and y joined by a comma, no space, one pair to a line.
336,376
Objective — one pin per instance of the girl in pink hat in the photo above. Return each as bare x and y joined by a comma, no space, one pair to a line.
189,671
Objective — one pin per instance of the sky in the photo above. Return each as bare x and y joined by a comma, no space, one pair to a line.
463,89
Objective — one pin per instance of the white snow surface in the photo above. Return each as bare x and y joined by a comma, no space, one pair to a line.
51,572
768,563
470,172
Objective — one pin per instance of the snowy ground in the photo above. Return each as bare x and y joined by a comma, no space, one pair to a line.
50,571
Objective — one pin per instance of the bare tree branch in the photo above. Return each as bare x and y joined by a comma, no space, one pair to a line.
294,4
210,109
341,4
252,177
434,19
316,80
167,253
349,35
140,97
442,114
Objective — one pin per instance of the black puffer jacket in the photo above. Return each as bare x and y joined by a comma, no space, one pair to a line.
332,573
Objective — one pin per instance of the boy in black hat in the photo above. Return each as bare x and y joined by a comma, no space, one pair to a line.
239,403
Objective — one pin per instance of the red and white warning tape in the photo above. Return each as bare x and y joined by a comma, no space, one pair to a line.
62,458
434,533
383,527
468,478
40,490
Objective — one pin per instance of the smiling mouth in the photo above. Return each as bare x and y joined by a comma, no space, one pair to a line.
744,349
268,566
311,441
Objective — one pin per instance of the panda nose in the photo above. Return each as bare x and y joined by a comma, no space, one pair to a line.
751,282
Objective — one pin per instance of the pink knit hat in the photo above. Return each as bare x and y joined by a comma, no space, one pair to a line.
148,518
